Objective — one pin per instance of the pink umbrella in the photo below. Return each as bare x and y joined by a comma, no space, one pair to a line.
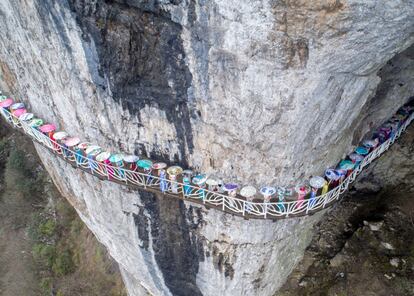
19,112
6,103
47,128
70,142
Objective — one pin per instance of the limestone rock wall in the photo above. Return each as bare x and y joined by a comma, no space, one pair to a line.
257,91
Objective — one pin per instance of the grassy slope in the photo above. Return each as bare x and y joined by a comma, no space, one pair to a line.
44,246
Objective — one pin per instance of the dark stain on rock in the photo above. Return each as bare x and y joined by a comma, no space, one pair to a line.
141,59
222,262
176,246
141,223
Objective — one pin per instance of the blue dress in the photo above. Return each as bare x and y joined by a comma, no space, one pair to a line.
163,182
78,155
187,188
312,200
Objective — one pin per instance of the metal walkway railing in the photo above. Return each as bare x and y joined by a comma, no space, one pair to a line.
234,205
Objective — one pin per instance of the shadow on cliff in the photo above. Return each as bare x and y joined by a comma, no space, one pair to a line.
177,248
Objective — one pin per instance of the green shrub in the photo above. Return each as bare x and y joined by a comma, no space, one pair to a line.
63,264
44,254
41,228
17,160
47,228
33,228
29,187
76,227
45,285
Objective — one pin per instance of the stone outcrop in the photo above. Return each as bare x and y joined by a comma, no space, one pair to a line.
261,92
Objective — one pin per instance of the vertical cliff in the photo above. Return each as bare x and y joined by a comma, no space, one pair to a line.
256,91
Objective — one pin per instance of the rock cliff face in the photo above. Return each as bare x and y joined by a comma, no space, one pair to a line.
256,91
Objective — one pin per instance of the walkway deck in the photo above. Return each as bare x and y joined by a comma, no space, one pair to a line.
210,199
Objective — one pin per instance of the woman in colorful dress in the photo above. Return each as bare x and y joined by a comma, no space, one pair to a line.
163,180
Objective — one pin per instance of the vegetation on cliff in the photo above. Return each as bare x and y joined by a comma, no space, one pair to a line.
45,249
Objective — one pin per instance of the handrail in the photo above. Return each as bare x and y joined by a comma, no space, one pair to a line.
250,209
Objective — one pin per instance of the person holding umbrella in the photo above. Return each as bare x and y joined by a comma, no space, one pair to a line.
145,165
116,161
231,189
57,138
91,152
281,192
267,193
212,184
356,158
302,191
187,181
48,129
68,144
346,165
173,172
13,109
131,162
333,178
200,180
316,183
248,192
103,158
80,152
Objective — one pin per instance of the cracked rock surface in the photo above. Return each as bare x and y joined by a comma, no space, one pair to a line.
261,92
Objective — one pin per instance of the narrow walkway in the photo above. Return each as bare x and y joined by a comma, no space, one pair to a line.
195,194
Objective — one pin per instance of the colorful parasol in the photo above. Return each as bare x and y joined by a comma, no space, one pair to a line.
332,175
131,158
26,116
317,182
248,191
346,165
116,158
6,103
174,170
84,145
341,172
36,122
159,165
103,156
230,186
361,150
145,164
16,106
356,157
200,179
19,112
60,135
371,143
93,150
211,182
267,190
70,142
47,128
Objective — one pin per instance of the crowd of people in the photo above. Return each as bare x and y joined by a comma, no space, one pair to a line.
116,163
